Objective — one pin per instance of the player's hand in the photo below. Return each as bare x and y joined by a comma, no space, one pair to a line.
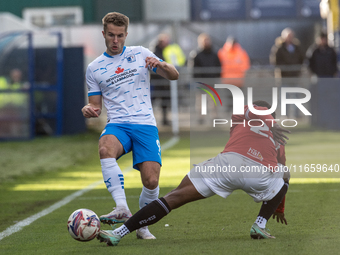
278,135
90,112
280,217
152,62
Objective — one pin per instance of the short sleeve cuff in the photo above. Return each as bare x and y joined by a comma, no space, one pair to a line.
98,93
155,68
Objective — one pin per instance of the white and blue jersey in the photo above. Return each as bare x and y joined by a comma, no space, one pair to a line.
124,83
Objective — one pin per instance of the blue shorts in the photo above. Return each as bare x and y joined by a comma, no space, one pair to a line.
142,140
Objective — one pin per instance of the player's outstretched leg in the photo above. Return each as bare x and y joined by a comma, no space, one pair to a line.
153,212
148,215
258,230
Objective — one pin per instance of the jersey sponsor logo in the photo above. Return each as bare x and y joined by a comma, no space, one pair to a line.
254,153
120,76
119,70
131,58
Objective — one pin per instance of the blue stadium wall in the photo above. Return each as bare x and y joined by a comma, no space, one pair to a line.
45,74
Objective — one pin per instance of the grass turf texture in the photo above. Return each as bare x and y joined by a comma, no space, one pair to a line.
210,226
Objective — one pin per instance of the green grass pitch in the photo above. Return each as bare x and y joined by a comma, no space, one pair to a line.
210,226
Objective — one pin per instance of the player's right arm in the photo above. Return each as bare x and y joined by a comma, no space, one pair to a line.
279,214
94,108
280,217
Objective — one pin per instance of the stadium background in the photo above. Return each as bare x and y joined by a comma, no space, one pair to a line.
75,27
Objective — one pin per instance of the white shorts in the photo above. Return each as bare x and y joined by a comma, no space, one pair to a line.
230,171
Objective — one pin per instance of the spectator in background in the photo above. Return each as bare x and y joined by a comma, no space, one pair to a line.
205,64
14,83
160,86
173,53
205,61
170,53
234,61
14,104
163,41
322,58
287,54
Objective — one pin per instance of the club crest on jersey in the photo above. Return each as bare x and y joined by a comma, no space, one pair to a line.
131,58
254,153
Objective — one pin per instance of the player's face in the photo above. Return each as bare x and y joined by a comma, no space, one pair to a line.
114,39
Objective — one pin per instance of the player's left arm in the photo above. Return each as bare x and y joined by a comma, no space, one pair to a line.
279,214
164,69
280,217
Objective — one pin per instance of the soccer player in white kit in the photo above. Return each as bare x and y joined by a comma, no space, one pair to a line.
120,78
257,147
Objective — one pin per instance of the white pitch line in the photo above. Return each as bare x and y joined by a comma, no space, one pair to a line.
21,224
172,142
18,226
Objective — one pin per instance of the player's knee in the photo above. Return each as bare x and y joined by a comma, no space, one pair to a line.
151,182
104,152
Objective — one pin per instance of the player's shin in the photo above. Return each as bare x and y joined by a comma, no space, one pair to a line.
147,196
146,216
269,207
114,180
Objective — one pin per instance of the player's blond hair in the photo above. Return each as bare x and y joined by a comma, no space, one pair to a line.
116,19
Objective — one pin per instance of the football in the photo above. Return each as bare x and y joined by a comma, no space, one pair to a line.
83,225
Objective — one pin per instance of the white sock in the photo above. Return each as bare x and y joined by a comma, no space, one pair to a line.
114,181
122,231
261,222
147,196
